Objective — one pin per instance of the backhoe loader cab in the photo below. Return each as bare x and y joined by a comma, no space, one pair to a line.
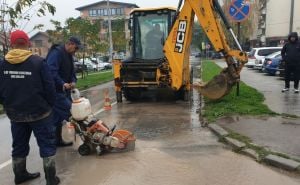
149,29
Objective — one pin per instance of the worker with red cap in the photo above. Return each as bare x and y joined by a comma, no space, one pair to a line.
27,93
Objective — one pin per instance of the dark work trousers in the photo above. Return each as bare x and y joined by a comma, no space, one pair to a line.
43,130
292,73
62,108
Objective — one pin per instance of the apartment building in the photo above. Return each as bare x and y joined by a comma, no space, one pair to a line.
99,12
276,19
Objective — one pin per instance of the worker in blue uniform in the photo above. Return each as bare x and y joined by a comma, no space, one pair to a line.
61,62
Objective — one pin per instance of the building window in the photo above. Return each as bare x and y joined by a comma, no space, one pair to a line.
113,11
38,43
119,11
105,12
93,13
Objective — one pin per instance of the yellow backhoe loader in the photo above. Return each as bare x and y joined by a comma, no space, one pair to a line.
160,41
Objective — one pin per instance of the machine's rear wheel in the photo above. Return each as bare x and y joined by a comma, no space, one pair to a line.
84,149
192,75
186,95
119,96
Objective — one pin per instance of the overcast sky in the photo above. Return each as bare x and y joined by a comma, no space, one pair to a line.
66,9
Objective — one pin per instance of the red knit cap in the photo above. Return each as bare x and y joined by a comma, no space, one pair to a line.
19,37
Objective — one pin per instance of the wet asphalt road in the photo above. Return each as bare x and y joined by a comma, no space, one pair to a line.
171,149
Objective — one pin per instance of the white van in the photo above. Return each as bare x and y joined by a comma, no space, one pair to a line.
257,54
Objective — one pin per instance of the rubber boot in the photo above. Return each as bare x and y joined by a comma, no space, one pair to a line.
21,174
50,171
59,140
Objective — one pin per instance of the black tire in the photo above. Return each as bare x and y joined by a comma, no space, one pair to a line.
186,95
119,96
84,149
192,75
132,94
180,94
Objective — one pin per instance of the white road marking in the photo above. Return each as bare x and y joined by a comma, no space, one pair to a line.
101,110
3,165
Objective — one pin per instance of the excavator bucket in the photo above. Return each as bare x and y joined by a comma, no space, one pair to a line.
218,87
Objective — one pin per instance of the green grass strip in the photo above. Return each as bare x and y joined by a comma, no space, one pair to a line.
249,101
94,79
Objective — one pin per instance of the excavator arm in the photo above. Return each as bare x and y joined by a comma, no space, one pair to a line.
177,47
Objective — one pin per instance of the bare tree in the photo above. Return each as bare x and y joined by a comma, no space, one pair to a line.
19,13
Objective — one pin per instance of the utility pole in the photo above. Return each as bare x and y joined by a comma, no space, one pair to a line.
292,15
109,31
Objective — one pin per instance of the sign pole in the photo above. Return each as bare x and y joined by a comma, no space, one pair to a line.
238,37
239,11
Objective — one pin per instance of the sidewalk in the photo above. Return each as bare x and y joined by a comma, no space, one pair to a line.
277,134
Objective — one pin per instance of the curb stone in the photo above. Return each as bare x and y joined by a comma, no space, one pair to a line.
281,162
251,153
218,130
235,143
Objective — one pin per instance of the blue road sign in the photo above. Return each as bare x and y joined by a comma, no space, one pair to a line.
239,10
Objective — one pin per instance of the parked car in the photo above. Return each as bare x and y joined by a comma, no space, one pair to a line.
197,55
90,67
259,53
79,67
217,55
105,65
90,64
271,65
268,58
259,63
100,64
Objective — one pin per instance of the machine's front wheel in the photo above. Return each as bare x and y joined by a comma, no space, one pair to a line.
84,149
132,94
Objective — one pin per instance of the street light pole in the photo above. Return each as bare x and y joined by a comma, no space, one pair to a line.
109,31
292,15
